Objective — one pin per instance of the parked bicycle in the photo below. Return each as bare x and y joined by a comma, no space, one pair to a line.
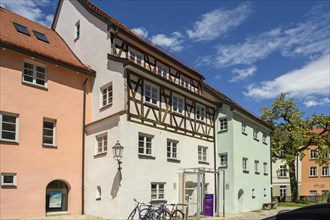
175,213
141,211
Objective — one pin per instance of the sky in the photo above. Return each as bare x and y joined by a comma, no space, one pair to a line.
251,51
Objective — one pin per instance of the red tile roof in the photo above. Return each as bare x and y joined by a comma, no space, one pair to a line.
232,103
56,50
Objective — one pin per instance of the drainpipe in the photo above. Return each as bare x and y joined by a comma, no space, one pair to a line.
83,150
216,187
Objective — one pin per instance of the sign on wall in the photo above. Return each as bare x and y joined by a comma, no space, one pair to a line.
55,200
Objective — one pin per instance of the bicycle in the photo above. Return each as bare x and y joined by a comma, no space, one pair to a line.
143,213
175,214
160,213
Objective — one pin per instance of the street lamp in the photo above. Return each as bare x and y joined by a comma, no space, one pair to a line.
118,153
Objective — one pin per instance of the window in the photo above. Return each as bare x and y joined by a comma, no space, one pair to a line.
145,144
313,154
245,164
77,30
184,81
255,133
162,70
8,127
256,166
34,74
48,136
313,193
264,138
313,171
136,57
202,155
150,94
177,104
106,95
265,168
200,112
8,179
253,193
281,153
102,143
325,171
282,172
98,193
283,191
223,159
172,149
40,36
223,124
265,192
244,127
22,29
157,191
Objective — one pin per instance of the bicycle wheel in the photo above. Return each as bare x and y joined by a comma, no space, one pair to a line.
145,214
177,215
164,215
131,216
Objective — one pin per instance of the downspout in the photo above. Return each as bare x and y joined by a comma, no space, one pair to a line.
83,150
216,187
271,168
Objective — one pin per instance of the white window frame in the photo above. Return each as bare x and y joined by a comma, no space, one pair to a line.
151,92
312,192
200,112
313,171
256,166
177,104
283,171
172,149
255,133
223,158
313,154
202,153
146,142
157,192
53,129
243,128
13,183
34,74
106,95
253,193
245,164
16,127
77,30
184,81
325,171
102,143
136,56
265,168
162,70
264,138
223,124
283,191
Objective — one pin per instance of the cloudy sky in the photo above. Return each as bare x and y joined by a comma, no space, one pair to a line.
249,50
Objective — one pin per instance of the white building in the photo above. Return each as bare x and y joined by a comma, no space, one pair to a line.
148,101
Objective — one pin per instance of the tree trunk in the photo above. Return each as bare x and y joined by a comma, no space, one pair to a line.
293,181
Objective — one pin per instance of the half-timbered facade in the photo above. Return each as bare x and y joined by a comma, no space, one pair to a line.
149,102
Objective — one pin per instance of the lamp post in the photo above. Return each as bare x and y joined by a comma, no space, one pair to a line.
117,150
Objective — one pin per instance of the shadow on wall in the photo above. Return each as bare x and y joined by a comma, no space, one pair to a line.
116,184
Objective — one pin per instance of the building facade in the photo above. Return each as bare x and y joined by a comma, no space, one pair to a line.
244,155
149,102
315,177
41,119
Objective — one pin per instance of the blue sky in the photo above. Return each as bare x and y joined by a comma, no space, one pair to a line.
249,50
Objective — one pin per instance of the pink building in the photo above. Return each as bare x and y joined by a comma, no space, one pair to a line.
42,91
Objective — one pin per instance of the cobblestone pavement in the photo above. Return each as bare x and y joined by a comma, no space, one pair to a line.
254,215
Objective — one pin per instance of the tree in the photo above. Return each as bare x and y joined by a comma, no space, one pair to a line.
293,134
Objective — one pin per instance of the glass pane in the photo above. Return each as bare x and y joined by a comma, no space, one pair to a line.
8,179
8,135
47,140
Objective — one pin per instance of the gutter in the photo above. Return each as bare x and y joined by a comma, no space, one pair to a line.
83,150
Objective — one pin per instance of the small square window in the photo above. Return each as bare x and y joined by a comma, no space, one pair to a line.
223,126
40,36
255,133
151,94
48,137
200,113
223,159
145,144
101,143
313,154
244,127
177,104
313,171
256,167
172,149
202,154
157,191
22,29
106,95
8,179
34,74
8,127
245,164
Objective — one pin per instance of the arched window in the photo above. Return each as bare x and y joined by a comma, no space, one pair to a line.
57,196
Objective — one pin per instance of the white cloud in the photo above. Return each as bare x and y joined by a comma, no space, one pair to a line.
215,24
308,39
241,74
313,101
173,42
311,80
31,9
141,31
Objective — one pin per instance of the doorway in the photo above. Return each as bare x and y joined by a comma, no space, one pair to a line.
57,196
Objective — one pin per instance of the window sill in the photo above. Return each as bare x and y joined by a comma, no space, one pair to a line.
265,143
243,132
204,162
223,166
35,85
49,146
265,174
173,160
313,177
256,139
325,176
246,171
177,114
9,186
201,121
105,107
147,157
222,131
103,154
257,173
282,177
13,142
151,105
